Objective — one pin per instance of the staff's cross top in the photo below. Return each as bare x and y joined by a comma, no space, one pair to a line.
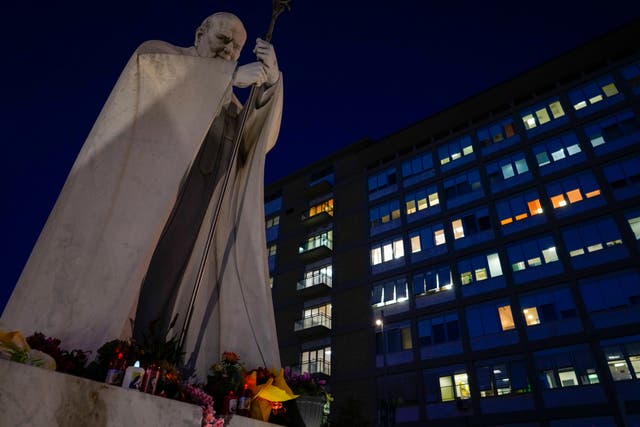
279,6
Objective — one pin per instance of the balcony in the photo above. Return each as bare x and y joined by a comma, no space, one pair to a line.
314,325
316,219
319,246
319,187
316,285
318,367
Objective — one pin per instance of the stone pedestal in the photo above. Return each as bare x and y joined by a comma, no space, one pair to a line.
31,396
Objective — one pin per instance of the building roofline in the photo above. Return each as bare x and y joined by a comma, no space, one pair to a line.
527,85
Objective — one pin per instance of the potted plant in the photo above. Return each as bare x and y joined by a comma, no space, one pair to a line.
314,399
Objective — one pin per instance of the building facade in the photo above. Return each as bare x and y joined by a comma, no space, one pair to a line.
481,267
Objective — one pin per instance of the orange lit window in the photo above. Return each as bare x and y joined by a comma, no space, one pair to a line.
506,221
534,207
593,193
509,130
458,230
506,318
326,206
531,316
521,216
574,195
558,201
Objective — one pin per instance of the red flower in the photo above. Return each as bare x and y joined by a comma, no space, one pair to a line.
230,357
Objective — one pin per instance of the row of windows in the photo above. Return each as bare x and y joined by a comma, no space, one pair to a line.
610,300
604,135
623,177
581,239
601,91
557,368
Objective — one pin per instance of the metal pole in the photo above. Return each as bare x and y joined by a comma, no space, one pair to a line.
278,7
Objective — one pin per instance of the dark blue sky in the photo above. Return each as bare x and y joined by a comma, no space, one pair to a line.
352,69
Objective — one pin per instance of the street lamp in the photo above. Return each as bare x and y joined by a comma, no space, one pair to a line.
384,418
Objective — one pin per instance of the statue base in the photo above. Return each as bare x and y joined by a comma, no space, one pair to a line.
31,396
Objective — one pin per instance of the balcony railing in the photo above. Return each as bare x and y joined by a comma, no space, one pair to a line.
313,321
315,280
316,242
318,366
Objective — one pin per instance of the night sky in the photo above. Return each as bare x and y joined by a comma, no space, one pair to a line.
352,69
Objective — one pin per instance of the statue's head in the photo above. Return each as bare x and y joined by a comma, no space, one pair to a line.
221,35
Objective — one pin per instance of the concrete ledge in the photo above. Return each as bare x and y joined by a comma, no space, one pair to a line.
31,396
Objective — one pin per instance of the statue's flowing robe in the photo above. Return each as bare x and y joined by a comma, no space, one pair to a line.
83,277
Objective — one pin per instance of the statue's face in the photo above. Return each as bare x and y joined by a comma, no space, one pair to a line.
224,38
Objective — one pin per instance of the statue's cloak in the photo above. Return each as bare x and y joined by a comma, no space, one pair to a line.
83,277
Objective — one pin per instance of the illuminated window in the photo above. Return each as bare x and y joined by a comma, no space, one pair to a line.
271,256
532,253
421,200
390,292
454,150
507,168
387,251
542,114
614,128
415,244
506,317
316,361
633,218
479,268
518,208
496,133
427,238
447,390
593,92
574,195
397,337
624,360
471,223
458,231
454,387
573,189
503,378
324,238
566,367
591,237
316,276
324,206
567,377
531,316
315,316
433,280
383,213
272,225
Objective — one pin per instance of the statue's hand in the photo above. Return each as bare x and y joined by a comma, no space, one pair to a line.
246,75
267,55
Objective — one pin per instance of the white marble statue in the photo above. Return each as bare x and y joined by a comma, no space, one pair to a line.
132,218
